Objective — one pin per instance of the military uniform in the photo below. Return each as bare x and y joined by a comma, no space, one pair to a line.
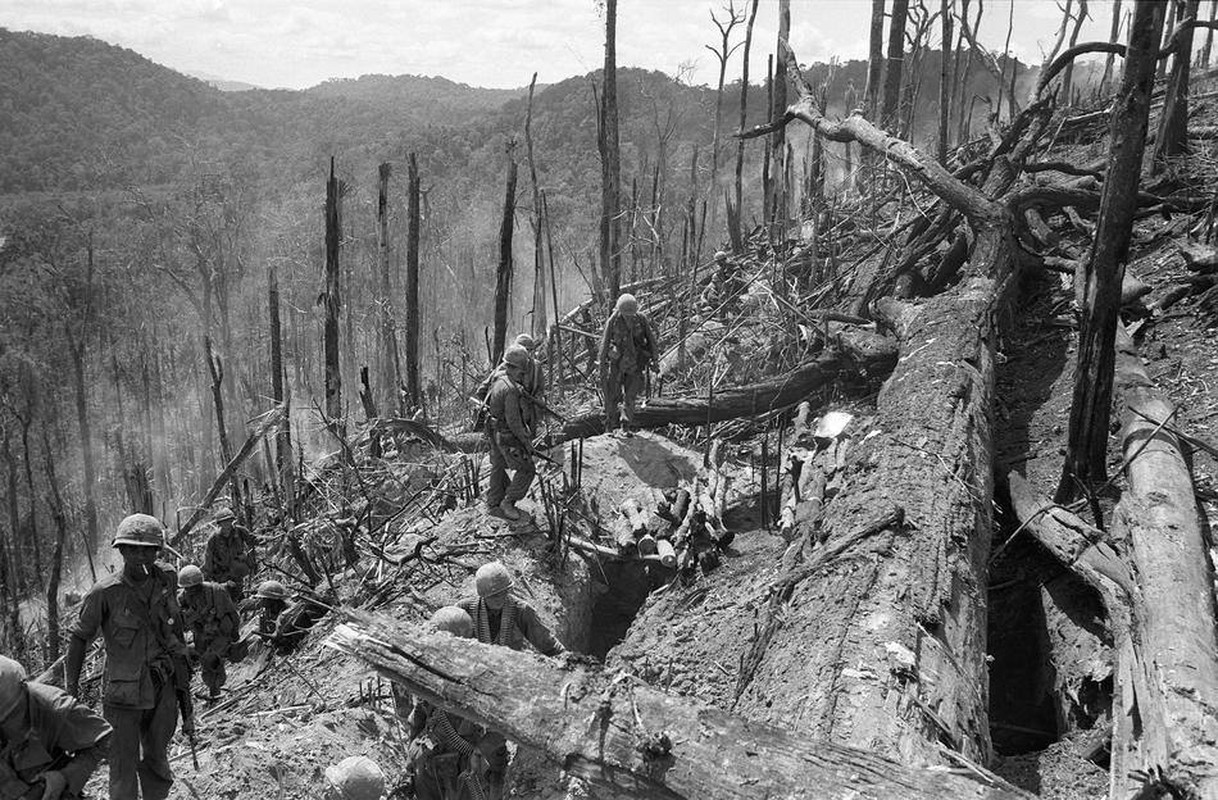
213,620
627,347
510,443
60,734
141,624
511,626
444,767
229,560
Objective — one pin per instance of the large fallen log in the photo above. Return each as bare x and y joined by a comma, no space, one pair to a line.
861,359
1168,730
629,740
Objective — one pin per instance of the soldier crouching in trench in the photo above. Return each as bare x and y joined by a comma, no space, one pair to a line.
136,612
49,743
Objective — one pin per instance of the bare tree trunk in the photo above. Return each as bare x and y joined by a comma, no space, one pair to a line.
1113,38
1172,141
540,320
414,388
778,140
1068,75
963,100
1087,447
1204,57
893,67
503,276
14,521
284,465
333,306
216,367
1168,9
28,461
556,359
767,156
875,60
945,79
722,54
76,349
737,233
611,180
391,377
56,506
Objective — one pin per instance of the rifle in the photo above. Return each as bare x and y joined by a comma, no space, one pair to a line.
542,406
186,706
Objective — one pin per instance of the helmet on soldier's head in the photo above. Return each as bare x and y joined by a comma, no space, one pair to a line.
527,341
271,590
627,304
516,356
12,685
720,256
493,578
223,515
140,529
454,620
190,575
356,778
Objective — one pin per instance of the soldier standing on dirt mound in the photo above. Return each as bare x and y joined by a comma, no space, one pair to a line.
136,611
459,760
229,558
49,743
628,348
509,438
213,620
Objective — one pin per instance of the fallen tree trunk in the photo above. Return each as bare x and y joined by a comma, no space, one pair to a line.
1174,736
862,359
629,740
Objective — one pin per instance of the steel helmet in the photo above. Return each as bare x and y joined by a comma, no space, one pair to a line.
454,620
527,341
493,578
357,778
223,514
12,685
271,590
720,255
627,304
140,529
516,356
190,575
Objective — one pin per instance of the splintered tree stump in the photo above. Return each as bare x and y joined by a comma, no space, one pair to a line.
629,740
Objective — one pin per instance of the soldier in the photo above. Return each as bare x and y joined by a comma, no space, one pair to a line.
627,350
136,611
213,620
459,759
502,618
354,778
229,558
272,600
511,443
533,385
49,743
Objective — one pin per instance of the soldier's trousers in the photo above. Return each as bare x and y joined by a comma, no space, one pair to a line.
621,387
211,664
139,748
506,453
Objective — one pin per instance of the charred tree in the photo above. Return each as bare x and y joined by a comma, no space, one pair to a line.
1068,74
893,67
503,276
1172,141
777,181
722,53
414,389
333,306
945,79
611,179
1113,38
737,234
216,368
540,319
14,521
1102,273
391,366
283,437
875,60
59,517
1203,58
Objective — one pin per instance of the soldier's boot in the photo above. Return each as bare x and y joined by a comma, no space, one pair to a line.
508,507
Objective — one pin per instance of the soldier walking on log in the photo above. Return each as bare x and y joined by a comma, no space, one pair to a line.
230,557
136,612
213,621
509,438
628,348
49,743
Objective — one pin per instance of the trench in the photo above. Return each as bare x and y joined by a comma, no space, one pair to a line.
620,590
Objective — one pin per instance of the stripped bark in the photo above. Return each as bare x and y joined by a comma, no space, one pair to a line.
641,743
503,276
414,388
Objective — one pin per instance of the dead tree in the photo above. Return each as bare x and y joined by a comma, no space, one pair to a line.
1100,279
890,110
391,378
59,517
503,276
1203,58
216,368
722,53
540,320
1068,75
333,305
607,144
77,350
414,389
629,740
737,235
1168,10
1113,38
777,179
945,78
875,60
1172,141
283,437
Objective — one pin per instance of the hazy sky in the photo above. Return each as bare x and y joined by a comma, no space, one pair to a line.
495,43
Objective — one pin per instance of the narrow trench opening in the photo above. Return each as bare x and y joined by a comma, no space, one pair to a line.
621,590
